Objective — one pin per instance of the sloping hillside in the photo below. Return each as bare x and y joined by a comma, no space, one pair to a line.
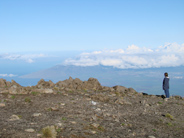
85,109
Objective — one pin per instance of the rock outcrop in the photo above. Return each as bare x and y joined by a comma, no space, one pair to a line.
45,84
66,85
77,84
4,83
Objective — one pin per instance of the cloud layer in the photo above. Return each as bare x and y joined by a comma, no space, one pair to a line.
169,55
25,57
7,75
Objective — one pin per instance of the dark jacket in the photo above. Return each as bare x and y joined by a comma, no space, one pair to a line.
166,83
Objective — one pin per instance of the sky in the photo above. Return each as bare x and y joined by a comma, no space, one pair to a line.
59,25
120,33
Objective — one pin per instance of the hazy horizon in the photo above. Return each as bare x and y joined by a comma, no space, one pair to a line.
142,80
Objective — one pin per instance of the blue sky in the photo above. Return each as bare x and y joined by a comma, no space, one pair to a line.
120,33
88,25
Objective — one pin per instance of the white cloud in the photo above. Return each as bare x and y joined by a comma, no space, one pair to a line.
7,75
133,49
172,47
117,51
29,60
110,62
178,77
25,57
169,55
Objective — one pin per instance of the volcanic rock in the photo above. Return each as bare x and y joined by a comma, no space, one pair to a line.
120,89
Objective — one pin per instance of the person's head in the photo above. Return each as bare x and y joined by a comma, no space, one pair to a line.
166,74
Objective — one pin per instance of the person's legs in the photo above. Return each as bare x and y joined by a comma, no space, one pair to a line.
167,93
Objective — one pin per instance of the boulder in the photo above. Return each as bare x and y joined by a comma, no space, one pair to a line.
77,84
92,84
66,83
61,84
131,90
51,83
120,89
8,84
177,97
45,84
105,88
17,90
3,83
77,81
14,83
27,89
4,91
47,91
44,90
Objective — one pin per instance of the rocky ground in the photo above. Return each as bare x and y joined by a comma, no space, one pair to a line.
76,109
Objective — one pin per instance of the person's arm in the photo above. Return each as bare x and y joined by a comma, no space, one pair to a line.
163,84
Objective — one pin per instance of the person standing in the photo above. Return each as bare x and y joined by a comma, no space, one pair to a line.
166,85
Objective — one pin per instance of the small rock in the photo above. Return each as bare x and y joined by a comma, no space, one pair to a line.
143,102
117,120
151,137
123,101
98,109
2,104
94,118
14,118
73,122
114,95
65,94
54,108
59,124
166,99
33,123
39,135
119,101
128,103
94,103
48,91
37,114
95,125
62,104
106,114
30,130
88,99
93,132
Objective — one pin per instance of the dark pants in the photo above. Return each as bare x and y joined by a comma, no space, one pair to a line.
167,93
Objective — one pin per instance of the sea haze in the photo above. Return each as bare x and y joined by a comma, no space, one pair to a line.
142,80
